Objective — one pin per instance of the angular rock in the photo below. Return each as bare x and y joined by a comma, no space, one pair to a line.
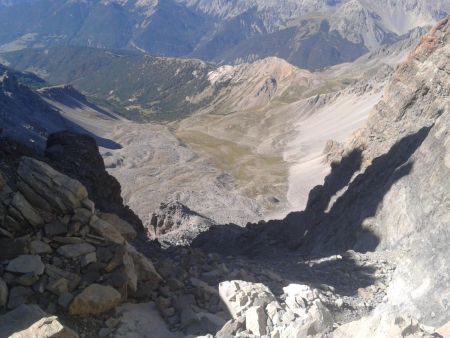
125,228
298,297
47,187
256,320
106,230
29,321
26,264
317,321
75,250
95,299
231,328
26,210
239,296
39,248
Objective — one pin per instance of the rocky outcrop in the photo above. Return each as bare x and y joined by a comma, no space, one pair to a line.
77,156
176,224
69,260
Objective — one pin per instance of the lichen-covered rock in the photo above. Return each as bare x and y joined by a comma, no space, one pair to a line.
95,299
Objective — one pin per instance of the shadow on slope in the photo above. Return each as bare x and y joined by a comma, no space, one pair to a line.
324,228
26,117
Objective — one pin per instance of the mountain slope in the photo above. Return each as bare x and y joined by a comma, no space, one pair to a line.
389,191
137,84
310,33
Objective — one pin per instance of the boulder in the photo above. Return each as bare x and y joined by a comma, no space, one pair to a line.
26,264
239,296
75,250
125,228
106,230
256,320
30,321
95,299
47,188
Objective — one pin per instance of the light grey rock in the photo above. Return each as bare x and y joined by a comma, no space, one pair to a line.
75,250
256,320
48,189
26,264
239,296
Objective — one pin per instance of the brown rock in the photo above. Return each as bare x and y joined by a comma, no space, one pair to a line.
95,299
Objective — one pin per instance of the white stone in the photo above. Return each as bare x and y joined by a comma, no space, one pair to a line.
256,320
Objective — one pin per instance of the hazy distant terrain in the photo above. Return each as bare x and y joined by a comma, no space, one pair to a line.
310,34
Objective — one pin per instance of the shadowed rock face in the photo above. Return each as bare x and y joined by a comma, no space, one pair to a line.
388,192
77,155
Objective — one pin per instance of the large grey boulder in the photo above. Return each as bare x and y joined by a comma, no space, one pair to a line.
47,188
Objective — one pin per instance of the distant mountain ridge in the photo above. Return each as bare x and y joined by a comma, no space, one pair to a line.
310,34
